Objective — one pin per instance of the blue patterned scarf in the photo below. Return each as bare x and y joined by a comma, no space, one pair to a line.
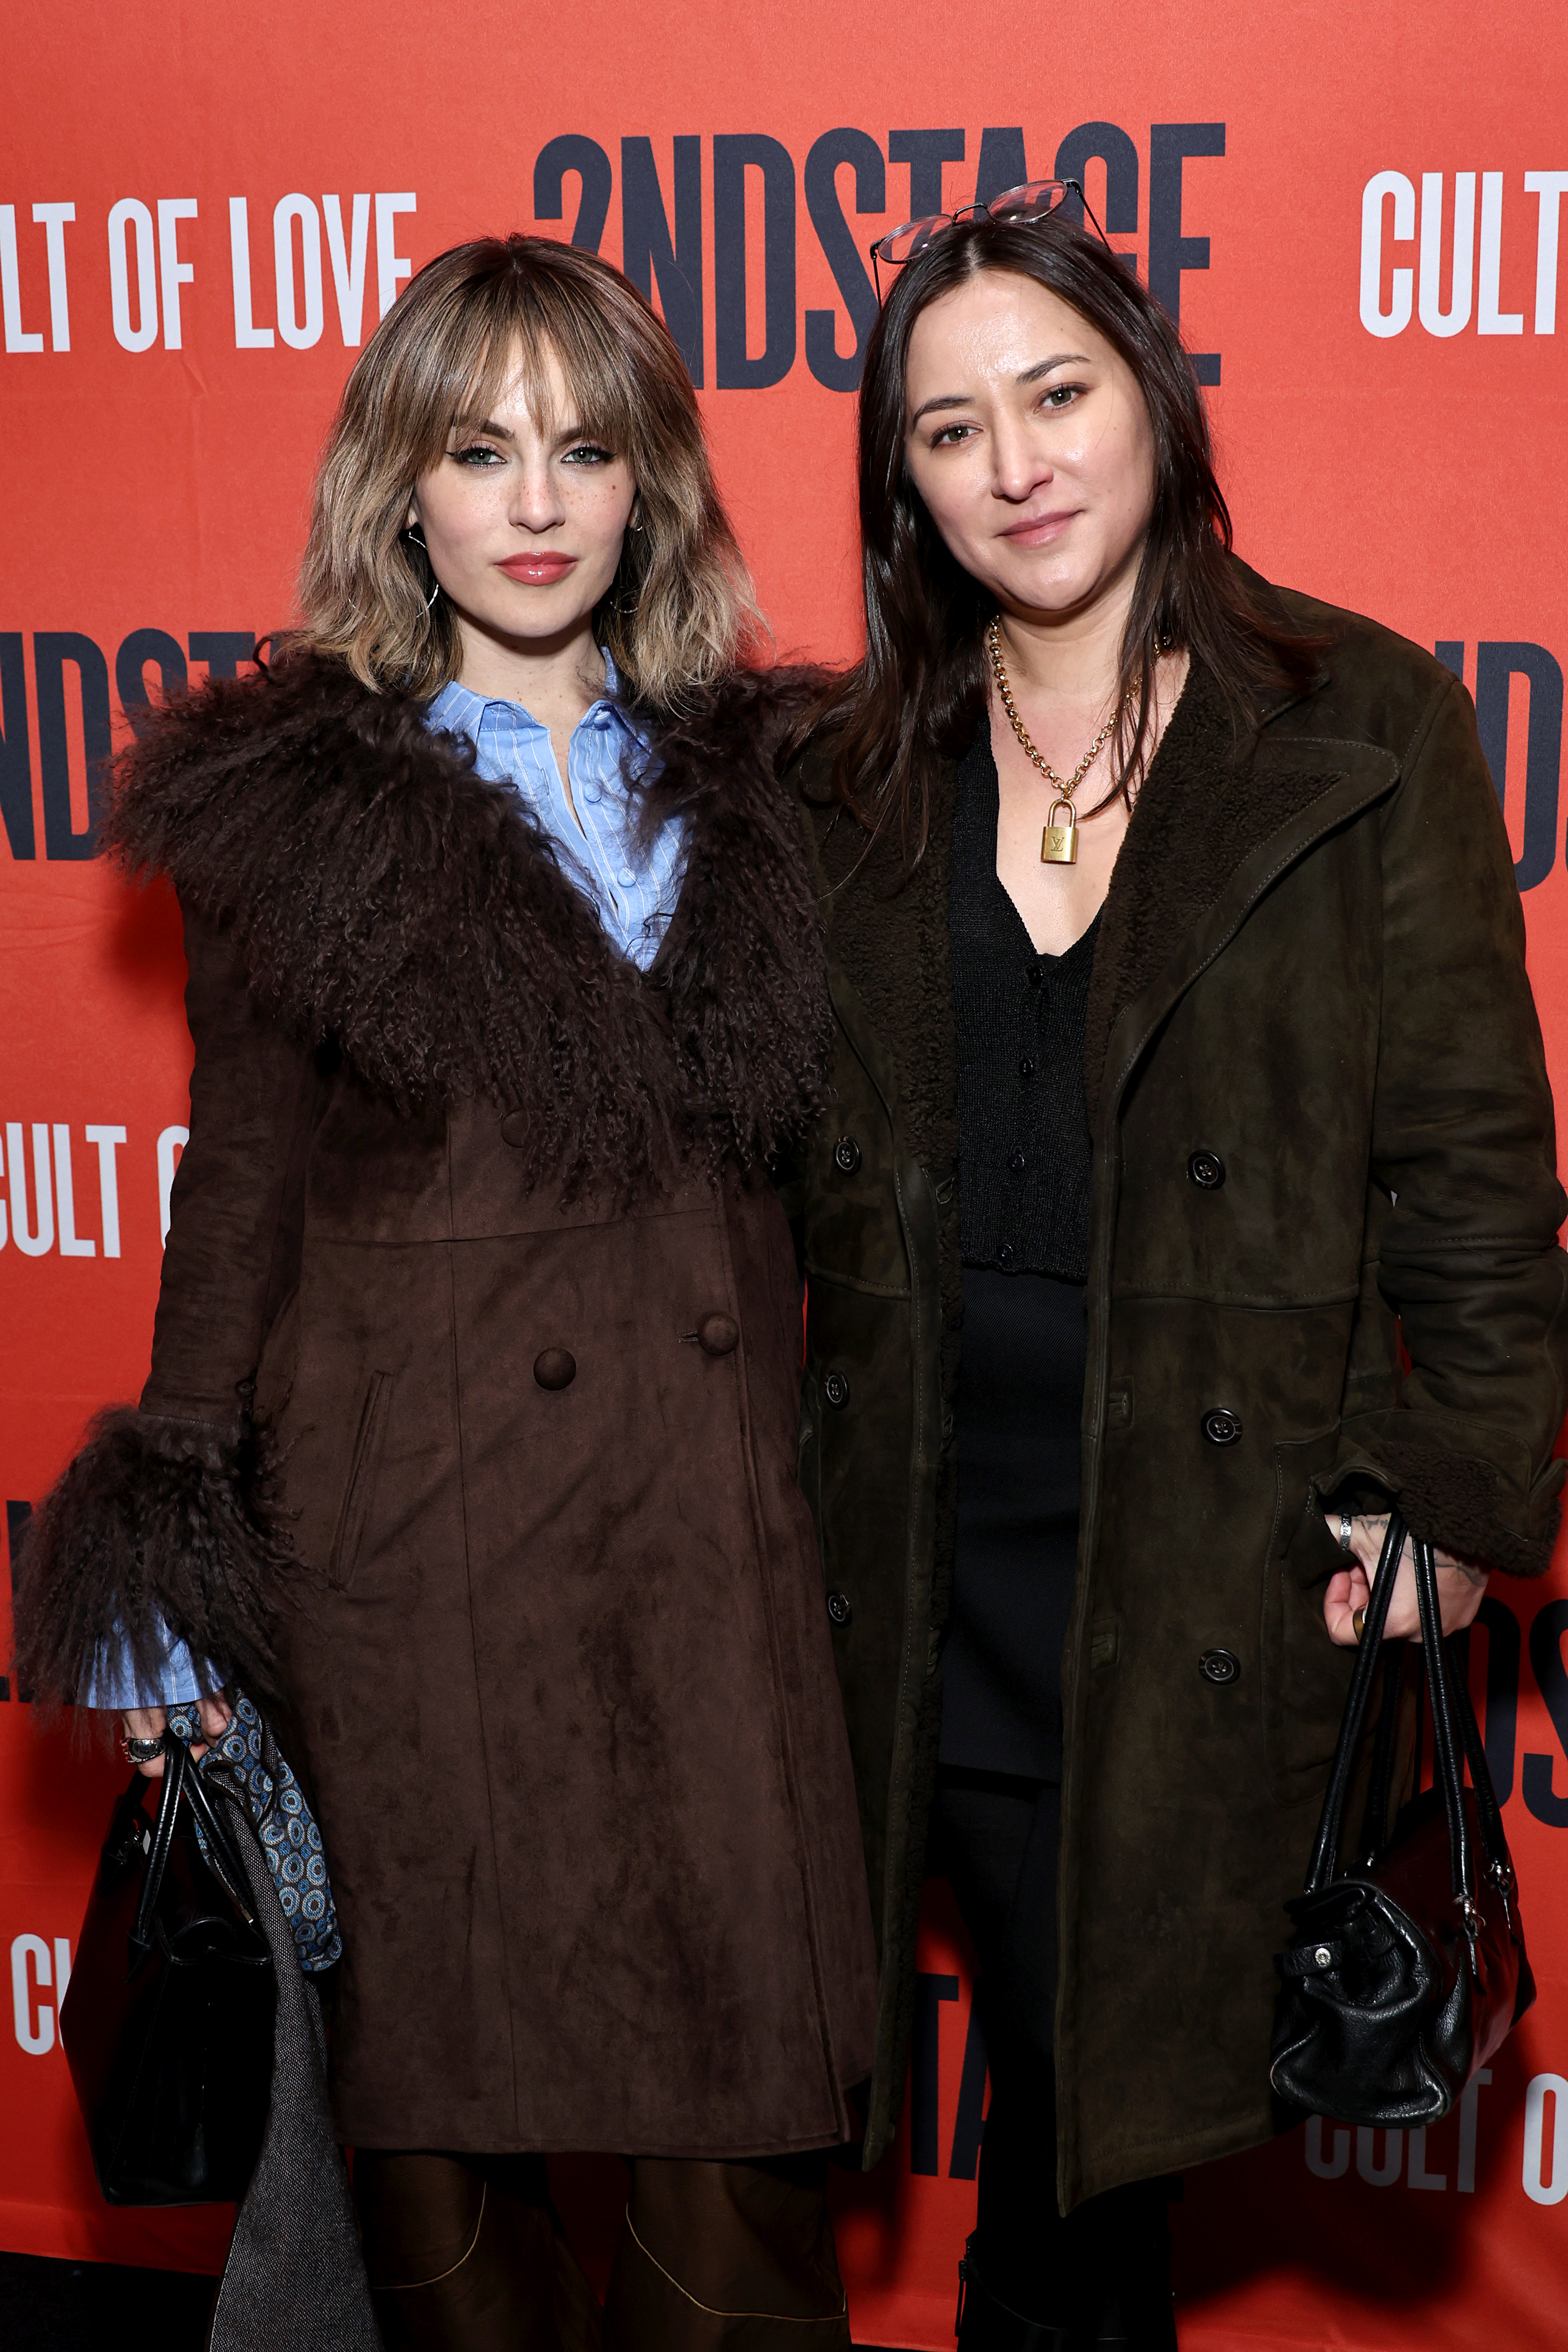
285,1825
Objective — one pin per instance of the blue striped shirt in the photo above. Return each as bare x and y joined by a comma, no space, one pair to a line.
632,886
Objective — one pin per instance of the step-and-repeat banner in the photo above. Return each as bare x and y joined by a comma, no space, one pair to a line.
1354,211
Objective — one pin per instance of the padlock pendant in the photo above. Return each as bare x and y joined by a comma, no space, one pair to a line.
1059,843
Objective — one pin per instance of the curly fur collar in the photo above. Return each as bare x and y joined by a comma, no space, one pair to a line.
389,902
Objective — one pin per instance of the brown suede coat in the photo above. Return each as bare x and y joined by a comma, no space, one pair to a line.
472,1230
1310,964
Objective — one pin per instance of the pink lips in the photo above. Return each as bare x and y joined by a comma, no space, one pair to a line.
537,571
1039,530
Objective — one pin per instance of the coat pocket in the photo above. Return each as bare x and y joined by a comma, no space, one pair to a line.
348,1536
1305,1676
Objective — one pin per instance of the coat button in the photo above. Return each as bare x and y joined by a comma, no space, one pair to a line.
516,1129
555,1367
846,1155
1207,1169
1007,1253
1221,1427
1219,1665
836,1389
839,1607
717,1335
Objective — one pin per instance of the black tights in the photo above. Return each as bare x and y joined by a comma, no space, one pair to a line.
1103,2275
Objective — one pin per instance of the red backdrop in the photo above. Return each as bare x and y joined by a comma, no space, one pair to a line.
1355,209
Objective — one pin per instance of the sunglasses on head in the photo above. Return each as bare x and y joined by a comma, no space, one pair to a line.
1032,201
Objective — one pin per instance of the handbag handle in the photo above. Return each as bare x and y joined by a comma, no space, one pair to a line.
1460,1718
182,1778
1446,1767
1325,1852
1455,1733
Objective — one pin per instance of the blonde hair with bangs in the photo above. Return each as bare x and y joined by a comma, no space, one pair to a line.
680,612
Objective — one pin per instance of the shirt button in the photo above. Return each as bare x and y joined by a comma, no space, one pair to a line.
1017,1163
592,793
1026,1067
626,877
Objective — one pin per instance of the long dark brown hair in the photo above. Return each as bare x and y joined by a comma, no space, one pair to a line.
918,694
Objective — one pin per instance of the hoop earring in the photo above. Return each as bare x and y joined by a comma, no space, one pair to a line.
409,532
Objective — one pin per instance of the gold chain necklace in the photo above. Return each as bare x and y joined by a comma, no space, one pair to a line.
1059,843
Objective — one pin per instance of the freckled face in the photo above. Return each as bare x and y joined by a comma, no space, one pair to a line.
524,519
1029,441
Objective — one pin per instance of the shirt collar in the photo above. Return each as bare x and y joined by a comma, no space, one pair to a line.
459,710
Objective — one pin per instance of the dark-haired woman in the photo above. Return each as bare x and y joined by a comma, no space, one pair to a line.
470,1438
1187,1062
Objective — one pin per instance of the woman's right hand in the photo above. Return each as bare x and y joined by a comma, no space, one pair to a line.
151,1722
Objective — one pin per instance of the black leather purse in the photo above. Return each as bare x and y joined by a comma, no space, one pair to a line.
1407,1969
168,2021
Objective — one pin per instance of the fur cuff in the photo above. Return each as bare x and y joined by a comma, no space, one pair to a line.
1459,1502
156,1524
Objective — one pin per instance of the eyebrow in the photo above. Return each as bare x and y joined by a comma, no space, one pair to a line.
500,433
1029,376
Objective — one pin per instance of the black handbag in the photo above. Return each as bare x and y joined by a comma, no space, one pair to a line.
1407,1969
168,2021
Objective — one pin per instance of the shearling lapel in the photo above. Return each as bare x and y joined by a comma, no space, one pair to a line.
1219,818
387,900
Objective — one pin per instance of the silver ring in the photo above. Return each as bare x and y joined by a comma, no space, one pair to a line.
140,1751
1344,1531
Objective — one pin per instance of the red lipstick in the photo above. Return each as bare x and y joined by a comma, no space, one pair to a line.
541,570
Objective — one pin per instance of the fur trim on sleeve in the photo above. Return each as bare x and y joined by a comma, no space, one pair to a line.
156,1523
1458,1501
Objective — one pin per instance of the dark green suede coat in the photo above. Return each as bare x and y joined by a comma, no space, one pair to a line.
1312,966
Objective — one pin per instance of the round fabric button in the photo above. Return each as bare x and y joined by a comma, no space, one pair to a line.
516,1129
839,1607
1005,1255
1221,1427
1207,1169
626,877
846,1155
1017,1163
1219,1665
836,1389
592,793
717,1335
1026,1067
555,1367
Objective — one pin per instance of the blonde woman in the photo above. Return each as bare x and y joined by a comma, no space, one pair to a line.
471,1430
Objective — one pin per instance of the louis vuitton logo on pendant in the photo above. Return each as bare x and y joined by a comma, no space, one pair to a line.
1059,843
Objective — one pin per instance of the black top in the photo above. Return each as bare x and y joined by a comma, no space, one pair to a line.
1024,1182
1022,1120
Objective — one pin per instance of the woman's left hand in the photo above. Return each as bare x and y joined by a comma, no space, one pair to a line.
1460,1588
